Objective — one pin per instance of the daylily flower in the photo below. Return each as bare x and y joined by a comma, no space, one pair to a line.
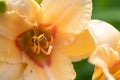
106,56
36,41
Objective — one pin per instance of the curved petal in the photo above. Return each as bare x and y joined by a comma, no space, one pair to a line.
115,70
8,50
98,74
81,47
12,24
11,71
28,8
103,32
59,69
118,46
104,57
98,32
69,16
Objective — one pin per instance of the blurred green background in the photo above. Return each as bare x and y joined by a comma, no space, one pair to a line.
106,10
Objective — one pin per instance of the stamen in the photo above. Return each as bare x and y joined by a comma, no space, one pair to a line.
35,30
36,48
36,43
48,51
42,41
45,43
40,37
51,40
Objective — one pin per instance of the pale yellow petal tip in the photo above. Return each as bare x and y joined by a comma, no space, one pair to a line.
103,32
107,52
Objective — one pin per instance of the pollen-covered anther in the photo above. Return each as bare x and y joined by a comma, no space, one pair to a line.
42,42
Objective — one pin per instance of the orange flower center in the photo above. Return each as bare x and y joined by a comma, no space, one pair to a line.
37,44
42,41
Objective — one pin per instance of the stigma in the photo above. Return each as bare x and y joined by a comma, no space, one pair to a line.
42,41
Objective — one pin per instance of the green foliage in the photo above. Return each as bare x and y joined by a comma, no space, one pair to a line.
39,1
3,6
84,70
106,10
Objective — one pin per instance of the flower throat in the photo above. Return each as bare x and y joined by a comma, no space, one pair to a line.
42,41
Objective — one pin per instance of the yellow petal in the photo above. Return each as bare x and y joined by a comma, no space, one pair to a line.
81,47
8,50
59,69
69,16
104,57
28,8
103,32
12,24
98,74
115,70
62,39
11,71
118,46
